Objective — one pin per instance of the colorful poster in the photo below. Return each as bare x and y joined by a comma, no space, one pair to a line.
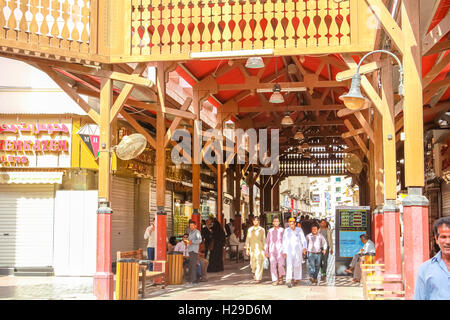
350,243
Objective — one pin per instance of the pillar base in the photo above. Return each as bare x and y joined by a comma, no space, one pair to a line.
104,285
392,244
416,237
377,235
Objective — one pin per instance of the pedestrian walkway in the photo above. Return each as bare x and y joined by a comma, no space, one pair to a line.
234,283
46,288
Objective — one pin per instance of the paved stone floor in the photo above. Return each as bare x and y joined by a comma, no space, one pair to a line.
234,283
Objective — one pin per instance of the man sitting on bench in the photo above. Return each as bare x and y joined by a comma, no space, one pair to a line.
182,248
367,250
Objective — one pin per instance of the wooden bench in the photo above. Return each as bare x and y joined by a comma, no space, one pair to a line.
373,281
144,274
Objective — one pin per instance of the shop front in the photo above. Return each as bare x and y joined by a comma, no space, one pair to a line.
35,158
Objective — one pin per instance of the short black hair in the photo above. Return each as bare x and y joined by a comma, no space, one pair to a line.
256,218
192,221
315,225
186,234
440,222
365,236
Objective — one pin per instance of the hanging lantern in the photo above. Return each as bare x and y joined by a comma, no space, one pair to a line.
299,136
254,63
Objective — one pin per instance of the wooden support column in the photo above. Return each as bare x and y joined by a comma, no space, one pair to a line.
276,196
251,184
196,155
268,194
104,278
391,214
237,181
262,180
377,225
161,219
220,193
415,214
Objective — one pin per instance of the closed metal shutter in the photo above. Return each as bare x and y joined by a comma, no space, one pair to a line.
26,225
168,204
122,204
445,191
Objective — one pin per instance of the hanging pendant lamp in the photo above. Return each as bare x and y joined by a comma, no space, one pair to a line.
254,63
276,96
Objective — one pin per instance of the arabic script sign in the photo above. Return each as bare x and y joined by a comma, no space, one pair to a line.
42,143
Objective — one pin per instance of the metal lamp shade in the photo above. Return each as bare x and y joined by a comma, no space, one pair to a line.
354,100
287,121
276,97
299,136
254,63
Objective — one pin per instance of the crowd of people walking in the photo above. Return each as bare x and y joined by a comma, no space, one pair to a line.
286,249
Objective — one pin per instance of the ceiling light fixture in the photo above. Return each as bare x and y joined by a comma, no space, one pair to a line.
276,96
354,100
299,136
254,63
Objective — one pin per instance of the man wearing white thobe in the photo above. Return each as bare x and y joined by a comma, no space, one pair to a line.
294,246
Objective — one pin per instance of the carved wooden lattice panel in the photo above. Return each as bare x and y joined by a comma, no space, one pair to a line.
296,166
59,24
161,27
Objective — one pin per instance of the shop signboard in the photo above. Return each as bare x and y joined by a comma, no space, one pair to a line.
35,142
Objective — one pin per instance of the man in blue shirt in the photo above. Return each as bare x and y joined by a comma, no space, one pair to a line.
433,280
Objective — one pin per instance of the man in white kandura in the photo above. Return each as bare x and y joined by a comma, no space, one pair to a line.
254,245
294,246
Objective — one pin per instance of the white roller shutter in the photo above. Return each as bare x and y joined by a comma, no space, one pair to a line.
168,204
445,191
75,232
26,225
122,204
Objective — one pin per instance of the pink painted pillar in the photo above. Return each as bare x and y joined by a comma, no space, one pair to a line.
392,247
416,236
378,236
104,278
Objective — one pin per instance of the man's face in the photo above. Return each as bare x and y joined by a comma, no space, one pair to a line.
323,224
256,222
192,226
292,225
185,238
444,239
363,240
276,223
314,230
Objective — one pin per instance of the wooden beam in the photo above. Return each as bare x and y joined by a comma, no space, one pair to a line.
126,92
362,120
389,145
365,68
176,121
346,112
438,47
413,111
71,93
353,133
435,35
388,23
290,108
436,70
428,10
139,128
283,85
358,140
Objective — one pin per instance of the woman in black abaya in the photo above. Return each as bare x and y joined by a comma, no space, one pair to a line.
216,255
